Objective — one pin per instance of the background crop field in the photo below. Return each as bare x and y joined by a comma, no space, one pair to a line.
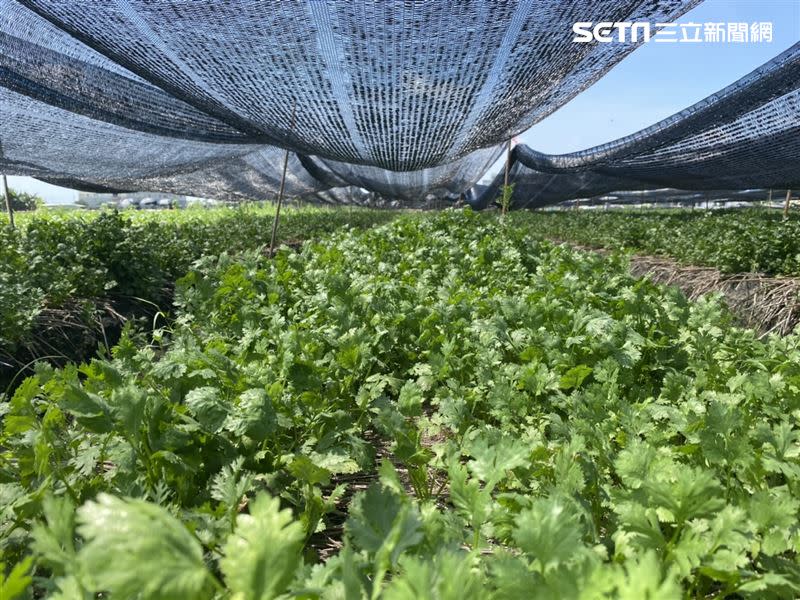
61,273
733,241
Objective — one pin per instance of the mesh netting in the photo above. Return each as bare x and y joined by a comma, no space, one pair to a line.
404,98
59,145
745,136
415,187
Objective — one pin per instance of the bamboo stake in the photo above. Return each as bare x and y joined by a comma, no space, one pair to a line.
7,197
505,177
280,192
786,204
508,162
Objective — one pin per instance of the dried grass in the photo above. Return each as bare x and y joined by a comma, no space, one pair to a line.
761,302
767,304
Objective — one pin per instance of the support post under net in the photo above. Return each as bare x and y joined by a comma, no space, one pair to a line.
7,196
506,195
786,204
280,191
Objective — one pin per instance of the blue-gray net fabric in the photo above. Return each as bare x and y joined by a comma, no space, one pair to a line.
407,99
412,187
745,136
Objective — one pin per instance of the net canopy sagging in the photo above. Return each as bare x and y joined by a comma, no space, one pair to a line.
402,97
745,136
56,144
140,161
412,187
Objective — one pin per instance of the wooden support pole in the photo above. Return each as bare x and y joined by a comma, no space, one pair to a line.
508,162
7,196
786,204
280,192
505,177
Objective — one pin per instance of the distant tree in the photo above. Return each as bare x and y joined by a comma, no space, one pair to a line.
23,201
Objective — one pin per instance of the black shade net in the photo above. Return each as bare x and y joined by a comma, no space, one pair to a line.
745,136
408,99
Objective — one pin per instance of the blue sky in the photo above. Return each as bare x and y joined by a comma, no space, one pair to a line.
653,82
659,79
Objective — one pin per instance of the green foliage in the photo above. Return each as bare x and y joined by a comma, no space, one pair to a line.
15,584
261,556
506,197
63,260
135,549
22,201
555,429
731,241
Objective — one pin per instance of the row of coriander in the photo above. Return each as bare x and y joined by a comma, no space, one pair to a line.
56,260
556,428
733,241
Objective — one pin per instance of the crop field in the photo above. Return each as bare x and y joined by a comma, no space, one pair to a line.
440,407
734,241
59,270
